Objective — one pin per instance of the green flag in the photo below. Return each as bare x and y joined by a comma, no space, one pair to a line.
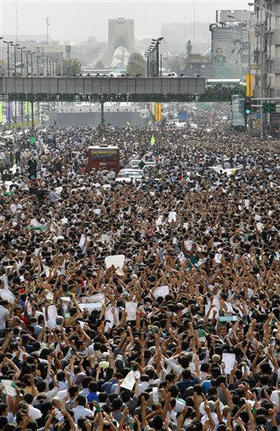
153,140
32,140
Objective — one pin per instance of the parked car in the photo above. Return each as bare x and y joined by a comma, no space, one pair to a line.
130,175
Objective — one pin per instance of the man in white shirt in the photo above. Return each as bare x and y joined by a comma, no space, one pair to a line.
4,313
33,413
80,410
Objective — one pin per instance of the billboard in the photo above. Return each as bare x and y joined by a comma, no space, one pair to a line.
227,46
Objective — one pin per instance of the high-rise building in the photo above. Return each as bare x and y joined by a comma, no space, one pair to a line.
267,53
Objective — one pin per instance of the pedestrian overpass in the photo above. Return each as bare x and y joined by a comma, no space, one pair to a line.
118,89
101,89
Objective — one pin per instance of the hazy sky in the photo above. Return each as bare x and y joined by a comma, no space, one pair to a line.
79,19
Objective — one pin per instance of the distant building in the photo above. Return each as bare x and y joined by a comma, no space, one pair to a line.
269,52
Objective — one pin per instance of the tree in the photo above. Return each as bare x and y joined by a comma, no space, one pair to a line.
136,65
99,64
89,52
70,67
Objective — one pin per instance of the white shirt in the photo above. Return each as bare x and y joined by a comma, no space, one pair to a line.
3,313
81,411
34,413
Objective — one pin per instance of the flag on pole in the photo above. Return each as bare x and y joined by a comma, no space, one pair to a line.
153,140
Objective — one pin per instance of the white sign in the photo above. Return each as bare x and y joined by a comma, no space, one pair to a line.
229,360
130,308
116,260
161,291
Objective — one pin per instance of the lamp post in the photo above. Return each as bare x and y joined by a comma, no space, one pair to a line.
27,52
16,45
154,51
21,59
32,102
1,38
8,55
32,68
47,65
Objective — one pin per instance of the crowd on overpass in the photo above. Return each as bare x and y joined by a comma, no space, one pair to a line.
185,334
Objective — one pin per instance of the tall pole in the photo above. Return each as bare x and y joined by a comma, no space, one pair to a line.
262,76
249,72
157,53
102,115
32,114
47,27
15,59
21,61
16,20
26,60
8,58
31,57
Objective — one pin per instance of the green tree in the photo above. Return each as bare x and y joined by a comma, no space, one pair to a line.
70,67
136,65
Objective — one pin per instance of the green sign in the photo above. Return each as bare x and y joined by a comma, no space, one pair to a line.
32,140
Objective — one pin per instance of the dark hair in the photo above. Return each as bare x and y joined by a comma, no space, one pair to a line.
81,400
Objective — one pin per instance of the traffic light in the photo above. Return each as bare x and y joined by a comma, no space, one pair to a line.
247,106
269,107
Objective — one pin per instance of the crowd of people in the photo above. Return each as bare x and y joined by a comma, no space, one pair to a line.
140,306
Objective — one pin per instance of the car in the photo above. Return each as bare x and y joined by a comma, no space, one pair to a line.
130,175
134,164
147,161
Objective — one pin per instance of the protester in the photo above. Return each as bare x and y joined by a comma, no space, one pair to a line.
185,334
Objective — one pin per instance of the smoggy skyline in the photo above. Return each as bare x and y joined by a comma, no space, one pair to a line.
80,19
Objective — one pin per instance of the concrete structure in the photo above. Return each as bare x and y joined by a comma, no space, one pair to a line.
116,119
120,34
100,89
268,48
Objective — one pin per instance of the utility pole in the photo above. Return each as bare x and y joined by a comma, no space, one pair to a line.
47,28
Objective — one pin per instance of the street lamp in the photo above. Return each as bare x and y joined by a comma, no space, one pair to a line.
15,45
154,48
27,52
21,59
31,56
8,55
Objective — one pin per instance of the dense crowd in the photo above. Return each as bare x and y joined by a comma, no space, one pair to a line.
184,334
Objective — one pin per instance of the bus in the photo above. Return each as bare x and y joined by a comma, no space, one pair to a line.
103,158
